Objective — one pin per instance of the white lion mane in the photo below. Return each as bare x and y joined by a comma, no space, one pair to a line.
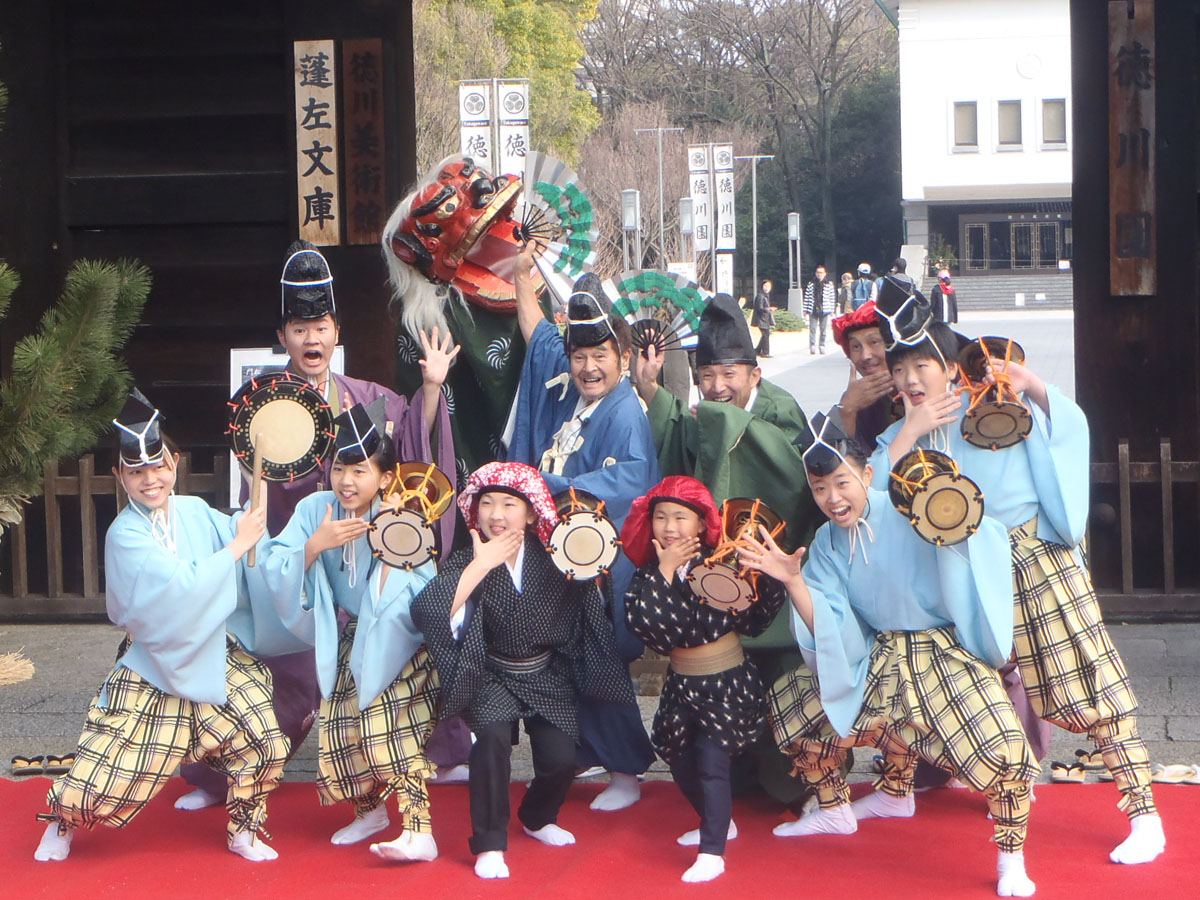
418,301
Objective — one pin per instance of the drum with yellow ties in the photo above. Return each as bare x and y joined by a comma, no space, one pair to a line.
402,534
585,542
996,418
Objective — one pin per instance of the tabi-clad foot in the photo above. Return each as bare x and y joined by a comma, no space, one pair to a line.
54,847
198,799
362,827
409,847
247,845
490,864
838,820
460,774
1145,842
706,867
1012,882
622,791
552,835
880,805
692,838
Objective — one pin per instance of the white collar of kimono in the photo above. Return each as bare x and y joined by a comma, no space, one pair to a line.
752,399
162,523
515,569
141,439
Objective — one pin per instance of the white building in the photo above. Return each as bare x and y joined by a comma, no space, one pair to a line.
985,110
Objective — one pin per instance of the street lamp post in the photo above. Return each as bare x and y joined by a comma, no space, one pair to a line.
662,232
687,227
795,230
754,211
631,223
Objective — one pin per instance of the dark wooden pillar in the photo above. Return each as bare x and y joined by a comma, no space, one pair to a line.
1137,359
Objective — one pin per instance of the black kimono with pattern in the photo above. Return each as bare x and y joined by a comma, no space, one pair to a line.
729,708
550,613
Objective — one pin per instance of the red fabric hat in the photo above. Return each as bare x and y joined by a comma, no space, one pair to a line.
515,478
637,532
862,317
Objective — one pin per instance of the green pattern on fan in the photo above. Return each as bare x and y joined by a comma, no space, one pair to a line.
662,308
576,215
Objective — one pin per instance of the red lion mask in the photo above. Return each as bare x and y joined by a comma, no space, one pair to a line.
460,230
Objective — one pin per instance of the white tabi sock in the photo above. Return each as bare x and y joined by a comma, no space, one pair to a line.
409,847
362,827
552,835
706,867
1145,842
54,847
1013,882
490,864
692,838
198,799
881,805
247,845
839,820
622,791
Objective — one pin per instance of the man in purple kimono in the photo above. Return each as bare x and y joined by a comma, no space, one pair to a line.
420,427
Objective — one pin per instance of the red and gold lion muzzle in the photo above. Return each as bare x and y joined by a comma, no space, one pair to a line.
461,230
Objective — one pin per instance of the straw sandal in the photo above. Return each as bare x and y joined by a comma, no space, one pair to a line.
1176,774
1062,773
1092,760
27,765
59,765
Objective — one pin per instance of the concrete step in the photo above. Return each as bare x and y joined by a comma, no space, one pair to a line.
999,292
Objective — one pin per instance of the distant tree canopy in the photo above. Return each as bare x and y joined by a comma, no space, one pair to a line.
535,39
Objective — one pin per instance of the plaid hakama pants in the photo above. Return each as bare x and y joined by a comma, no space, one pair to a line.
925,696
1073,674
132,744
367,755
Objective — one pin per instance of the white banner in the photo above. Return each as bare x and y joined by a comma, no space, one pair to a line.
512,113
475,121
723,194
725,273
700,191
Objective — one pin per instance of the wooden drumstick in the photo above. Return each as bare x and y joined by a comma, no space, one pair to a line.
256,499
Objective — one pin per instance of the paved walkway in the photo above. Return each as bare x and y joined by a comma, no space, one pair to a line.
45,714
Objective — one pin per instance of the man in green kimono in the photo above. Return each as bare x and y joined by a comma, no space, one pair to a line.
743,439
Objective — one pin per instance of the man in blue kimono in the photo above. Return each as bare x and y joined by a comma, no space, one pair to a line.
579,422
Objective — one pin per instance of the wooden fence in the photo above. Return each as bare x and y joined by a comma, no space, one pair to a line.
1136,517
85,552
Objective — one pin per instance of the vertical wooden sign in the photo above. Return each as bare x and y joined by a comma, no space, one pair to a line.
1132,220
362,106
317,142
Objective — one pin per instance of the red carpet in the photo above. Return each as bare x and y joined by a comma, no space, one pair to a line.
943,852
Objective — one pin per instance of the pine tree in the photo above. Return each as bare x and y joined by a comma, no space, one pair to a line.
66,382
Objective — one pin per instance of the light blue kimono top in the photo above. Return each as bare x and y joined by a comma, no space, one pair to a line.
385,638
177,606
1046,475
898,582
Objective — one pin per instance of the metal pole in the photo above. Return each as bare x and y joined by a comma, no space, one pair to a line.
754,212
662,229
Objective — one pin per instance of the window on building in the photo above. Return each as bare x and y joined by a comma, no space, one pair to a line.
1054,121
966,125
1008,123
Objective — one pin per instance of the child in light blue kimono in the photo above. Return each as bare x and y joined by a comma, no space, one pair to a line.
377,680
900,638
187,689
1038,490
